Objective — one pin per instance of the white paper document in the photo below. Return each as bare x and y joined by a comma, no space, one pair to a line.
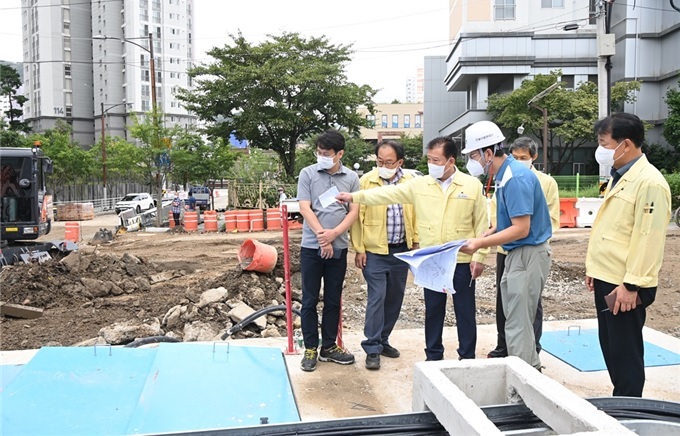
328,197
433,267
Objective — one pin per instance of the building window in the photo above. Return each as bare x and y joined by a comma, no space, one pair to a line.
504,9
145,76
578,168
146,90
371,120
67,70
552,3
418,121
395,121
69,111
407,121
145,106
383,121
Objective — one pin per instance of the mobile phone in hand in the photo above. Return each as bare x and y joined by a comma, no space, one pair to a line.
610,299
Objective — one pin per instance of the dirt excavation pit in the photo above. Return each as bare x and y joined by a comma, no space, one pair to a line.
190,286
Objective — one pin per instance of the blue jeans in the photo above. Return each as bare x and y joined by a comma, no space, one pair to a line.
386,280
313,269
463,307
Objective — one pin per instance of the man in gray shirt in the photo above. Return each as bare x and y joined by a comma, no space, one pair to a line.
324,248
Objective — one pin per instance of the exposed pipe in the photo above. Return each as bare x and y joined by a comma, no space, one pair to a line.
150,340
253,316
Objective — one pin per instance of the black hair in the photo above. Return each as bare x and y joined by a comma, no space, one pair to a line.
622,126
331,140
450,149
525,143
395,145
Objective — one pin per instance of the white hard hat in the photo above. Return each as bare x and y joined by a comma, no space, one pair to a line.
482,134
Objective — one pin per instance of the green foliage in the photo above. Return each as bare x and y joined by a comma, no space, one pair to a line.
9,84
413,152
277,92
194,160
72,164
359,151
256,166
671,127
123,160
577,111
674,183
585,191
12,138
156,143
664,159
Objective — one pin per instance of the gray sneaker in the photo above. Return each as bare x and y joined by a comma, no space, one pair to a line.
309,360
337,355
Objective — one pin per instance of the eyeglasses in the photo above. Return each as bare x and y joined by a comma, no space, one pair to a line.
387,164
324,154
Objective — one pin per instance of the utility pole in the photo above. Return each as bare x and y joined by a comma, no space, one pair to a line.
104,156
544,111
606,48
156,121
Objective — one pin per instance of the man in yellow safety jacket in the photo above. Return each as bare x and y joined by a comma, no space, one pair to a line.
626,248
450,205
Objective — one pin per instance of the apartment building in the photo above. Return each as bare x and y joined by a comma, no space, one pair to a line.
414,87
391,121
496,44
84,57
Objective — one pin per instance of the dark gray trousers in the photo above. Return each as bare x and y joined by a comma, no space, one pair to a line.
386,280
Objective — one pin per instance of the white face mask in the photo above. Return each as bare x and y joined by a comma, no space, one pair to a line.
474,168
387,173
605,156
436,171
325,162
527,163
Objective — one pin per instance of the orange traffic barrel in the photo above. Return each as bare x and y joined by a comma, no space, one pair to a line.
568,212
256,256
171,220
242,221
256,220
273,219
230,220
190,221
210,221
72,231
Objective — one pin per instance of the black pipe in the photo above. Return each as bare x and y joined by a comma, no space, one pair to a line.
253,316
150,340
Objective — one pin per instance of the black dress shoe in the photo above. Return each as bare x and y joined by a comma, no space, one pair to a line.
498,352
390,351
373,361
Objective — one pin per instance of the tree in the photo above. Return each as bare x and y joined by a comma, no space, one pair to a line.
194,160
671,128
277,92
571,114
124,161
257,165
9,84
156,142
72,164
413,151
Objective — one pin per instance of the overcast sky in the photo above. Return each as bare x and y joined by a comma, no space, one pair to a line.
390,37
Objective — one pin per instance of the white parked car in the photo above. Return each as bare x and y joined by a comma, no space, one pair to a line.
138,201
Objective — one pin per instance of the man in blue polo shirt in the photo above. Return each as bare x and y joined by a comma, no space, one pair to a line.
523,229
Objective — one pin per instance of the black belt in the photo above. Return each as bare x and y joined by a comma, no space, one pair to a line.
401,244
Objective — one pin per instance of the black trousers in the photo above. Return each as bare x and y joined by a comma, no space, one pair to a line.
332,271
500,315
621,340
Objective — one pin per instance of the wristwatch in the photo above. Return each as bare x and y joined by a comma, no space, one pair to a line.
631,287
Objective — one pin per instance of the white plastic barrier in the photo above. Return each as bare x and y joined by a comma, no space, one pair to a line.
587,211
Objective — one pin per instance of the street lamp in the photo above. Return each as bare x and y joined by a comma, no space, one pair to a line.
103,113
152,68
544,110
